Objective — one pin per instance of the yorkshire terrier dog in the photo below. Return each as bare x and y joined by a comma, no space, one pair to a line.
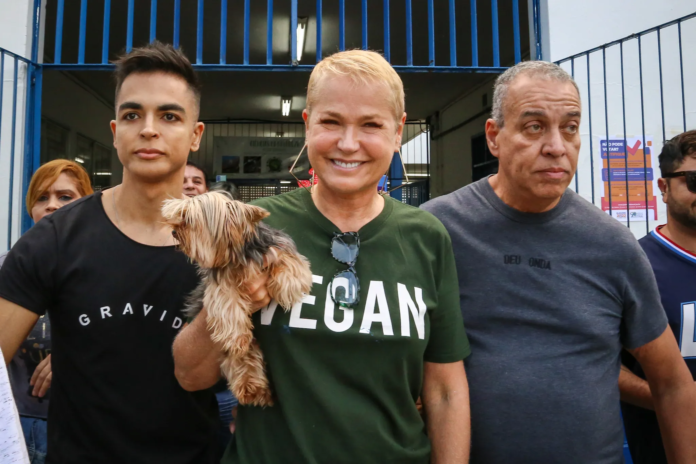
231,246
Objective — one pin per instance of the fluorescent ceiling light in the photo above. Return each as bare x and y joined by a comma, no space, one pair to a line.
285,182
285,105
102,173
79,160
301,35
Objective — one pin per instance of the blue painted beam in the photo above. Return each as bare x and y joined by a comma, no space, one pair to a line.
83,32
199,33
129,30
153,20
59,32
105,31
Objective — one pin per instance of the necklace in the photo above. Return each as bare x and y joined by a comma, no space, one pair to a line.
113,202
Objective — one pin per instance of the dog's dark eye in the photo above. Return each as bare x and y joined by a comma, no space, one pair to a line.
174,234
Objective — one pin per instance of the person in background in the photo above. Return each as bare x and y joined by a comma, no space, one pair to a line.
195,180
671,249
552,288
55,184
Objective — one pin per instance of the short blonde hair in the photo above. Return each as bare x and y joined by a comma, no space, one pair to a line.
47,174
363,67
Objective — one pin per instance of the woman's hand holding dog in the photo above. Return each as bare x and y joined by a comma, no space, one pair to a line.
256,289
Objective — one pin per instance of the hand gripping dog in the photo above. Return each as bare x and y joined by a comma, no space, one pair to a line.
228,241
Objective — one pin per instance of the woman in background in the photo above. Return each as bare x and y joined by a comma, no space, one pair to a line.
53,185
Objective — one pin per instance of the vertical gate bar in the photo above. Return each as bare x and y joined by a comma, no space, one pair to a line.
269,32
177,22
387,34
589,110
153,20
199,33
606,125
409,34
105,33
36,30
681,70
129,31
474,34
59,32
645,145
572,74
662,95
293,31
496,37
83,32
29,148
223,31
623,109
364,24
247,23
342,25
431,33
536,13
453,34
13,135
319,26
516,29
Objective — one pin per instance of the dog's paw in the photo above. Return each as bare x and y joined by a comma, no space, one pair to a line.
249,395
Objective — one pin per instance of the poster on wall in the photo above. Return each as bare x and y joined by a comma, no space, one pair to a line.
259,157
630,170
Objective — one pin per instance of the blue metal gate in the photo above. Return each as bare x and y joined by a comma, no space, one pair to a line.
637,92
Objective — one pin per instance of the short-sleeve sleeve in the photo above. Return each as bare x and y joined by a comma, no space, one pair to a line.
27,275
448,341
643,319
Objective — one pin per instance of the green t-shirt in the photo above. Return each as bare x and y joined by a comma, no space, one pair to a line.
346,380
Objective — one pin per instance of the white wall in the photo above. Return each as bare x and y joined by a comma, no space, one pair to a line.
450,154
570,27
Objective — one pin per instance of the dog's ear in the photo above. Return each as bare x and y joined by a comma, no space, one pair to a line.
174,210
255,214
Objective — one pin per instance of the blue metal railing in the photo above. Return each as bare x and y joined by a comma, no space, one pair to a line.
17,138
510,42
633,90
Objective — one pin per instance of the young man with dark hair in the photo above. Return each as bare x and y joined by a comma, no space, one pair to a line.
195,180
106,270
671,249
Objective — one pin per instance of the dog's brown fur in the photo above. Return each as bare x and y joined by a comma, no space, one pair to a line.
229,243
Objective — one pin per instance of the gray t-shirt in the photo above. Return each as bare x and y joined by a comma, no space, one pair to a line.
548,300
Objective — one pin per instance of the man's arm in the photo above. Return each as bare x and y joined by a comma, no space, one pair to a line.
446,404
15,325
635,390
196,357
674,396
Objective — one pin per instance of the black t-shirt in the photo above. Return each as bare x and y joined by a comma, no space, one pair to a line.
115,308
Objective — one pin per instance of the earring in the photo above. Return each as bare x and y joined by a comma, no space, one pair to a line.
292,168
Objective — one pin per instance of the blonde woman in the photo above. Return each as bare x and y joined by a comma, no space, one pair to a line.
382,325
54,185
